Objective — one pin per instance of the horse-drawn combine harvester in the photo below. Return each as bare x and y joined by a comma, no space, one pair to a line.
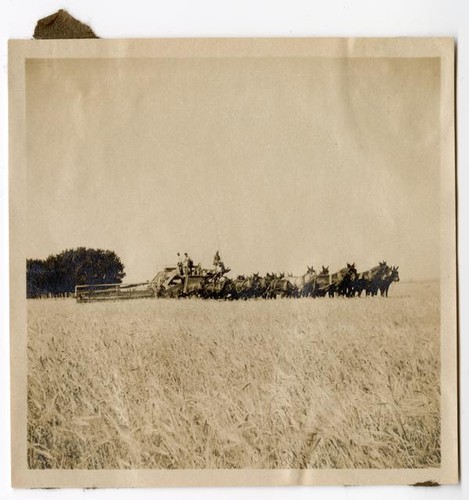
168,283
172,282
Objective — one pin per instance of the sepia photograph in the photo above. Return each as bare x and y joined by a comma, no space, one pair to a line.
233,261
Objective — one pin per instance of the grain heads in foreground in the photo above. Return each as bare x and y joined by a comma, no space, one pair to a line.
307,383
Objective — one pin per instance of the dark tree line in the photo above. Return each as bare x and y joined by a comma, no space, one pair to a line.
59,274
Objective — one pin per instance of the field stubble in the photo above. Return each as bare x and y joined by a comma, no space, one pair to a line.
293,383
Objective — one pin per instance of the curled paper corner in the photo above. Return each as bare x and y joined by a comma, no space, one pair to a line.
61,25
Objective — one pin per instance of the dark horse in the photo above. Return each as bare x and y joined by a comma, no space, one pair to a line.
390,277
368,281
340,283
346,280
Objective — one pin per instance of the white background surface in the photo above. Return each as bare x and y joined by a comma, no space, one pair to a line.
208,18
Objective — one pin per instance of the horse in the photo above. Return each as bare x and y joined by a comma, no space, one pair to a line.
218,288
340,282
264,283
246,288
324,284
279,287
391,276
304,285
368,281
309,286
346,281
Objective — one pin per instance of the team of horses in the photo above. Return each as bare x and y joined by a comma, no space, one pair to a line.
347,282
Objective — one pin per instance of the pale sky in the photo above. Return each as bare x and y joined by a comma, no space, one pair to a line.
278,163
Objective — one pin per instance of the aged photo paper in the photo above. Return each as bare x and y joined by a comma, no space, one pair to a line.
233,262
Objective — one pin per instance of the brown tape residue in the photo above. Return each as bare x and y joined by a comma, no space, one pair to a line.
427,483
62,25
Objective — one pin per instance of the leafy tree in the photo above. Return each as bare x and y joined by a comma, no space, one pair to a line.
36,277
59,274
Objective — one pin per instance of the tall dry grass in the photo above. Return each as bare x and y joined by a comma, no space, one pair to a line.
317,383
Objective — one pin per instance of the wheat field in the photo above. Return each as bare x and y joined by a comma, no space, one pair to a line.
291,383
